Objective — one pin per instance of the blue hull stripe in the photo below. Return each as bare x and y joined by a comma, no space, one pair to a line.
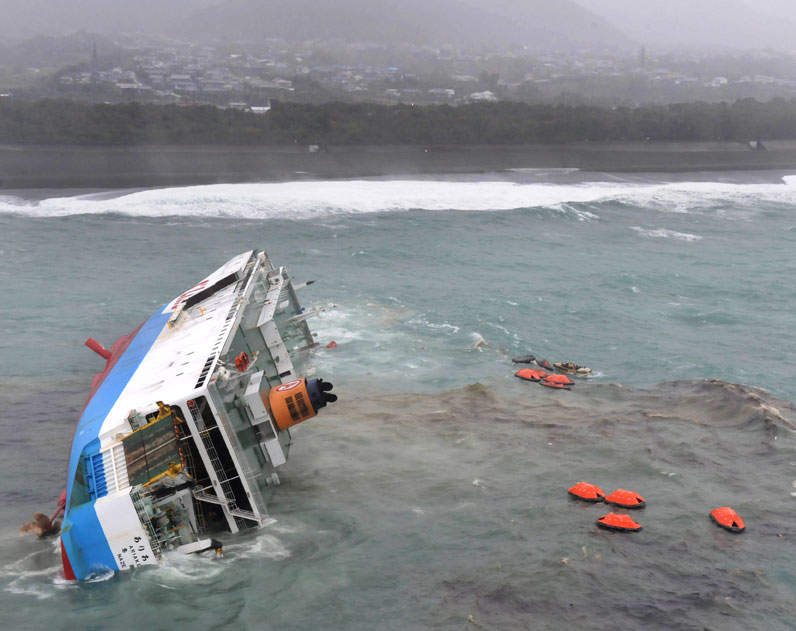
81,533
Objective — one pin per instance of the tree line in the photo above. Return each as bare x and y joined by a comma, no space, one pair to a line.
71,122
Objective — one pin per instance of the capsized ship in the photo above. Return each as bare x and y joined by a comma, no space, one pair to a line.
186,427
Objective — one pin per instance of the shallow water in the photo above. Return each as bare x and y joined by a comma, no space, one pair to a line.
435,489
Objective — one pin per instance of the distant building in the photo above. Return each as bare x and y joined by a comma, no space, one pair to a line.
260,109
485,96
442,92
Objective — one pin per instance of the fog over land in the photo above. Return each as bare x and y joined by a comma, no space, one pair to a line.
701,24
559,24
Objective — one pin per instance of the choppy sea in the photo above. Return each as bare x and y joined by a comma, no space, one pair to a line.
433,495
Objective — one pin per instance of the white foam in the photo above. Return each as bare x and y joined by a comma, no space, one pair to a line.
663,233
303,200
264,546
444,328
175,568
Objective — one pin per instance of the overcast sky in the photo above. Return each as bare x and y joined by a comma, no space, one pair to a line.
658,24
748,24
776,8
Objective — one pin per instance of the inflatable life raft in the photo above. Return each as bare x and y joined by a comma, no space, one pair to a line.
524,359
559,382
727,518
618,523
586,492
626,499
531,374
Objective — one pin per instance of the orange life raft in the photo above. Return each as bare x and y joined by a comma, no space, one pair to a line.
728,519
559,379
626,499
531,374
587,492
561,382
618,523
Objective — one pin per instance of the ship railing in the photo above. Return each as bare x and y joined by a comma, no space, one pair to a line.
138,495
211,498
212,454
266,261
245,472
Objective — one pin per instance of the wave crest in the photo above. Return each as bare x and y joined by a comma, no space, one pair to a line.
311,199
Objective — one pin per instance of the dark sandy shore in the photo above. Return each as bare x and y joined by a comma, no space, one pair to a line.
36,167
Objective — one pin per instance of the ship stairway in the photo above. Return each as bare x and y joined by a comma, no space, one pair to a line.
203,496
223,481
191,471
245,514
218,471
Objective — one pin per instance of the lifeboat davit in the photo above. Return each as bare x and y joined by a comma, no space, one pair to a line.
587,492
626,499
531,374
618,523
728,519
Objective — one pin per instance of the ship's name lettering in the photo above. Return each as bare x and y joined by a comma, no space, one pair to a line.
133,554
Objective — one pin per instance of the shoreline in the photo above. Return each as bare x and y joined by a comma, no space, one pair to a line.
83,167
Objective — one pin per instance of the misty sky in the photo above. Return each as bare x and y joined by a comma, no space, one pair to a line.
662,24
651,8
757,24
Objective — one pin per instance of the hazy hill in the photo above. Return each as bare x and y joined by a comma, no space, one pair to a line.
534,23
541,24
751,24
24,18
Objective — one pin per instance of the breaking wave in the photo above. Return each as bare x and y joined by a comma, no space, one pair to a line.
305,200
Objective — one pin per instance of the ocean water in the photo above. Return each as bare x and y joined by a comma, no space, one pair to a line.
433,494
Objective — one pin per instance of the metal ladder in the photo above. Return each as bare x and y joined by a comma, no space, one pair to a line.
137,496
